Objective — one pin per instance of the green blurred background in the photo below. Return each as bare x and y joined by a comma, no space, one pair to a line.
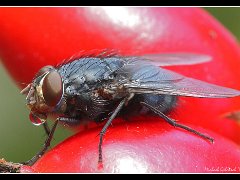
20,140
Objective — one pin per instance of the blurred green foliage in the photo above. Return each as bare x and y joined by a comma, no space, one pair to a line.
20,140
229,17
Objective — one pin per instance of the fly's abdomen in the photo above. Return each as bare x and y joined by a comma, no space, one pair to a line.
164,103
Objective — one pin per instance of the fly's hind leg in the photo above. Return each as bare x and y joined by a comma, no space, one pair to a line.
175,124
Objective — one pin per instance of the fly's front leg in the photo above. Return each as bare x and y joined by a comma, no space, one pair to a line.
45,146
46,128
49,138
175,124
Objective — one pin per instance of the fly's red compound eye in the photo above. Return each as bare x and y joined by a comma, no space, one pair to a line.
52,88
36,120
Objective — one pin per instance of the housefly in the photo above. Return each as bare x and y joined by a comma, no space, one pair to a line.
99,88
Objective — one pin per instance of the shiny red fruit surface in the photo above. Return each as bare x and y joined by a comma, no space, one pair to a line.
145,146
33,37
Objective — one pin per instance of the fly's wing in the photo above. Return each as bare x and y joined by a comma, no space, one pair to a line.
146,78
175,59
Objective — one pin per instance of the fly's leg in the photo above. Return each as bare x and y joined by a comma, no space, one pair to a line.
45,146
46,128
69,120
103,131
62,119
175,124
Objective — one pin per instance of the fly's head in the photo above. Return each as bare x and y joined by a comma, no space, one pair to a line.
44,94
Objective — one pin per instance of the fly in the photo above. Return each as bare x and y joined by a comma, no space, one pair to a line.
100,88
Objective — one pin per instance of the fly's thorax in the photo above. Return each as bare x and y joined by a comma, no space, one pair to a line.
44,94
